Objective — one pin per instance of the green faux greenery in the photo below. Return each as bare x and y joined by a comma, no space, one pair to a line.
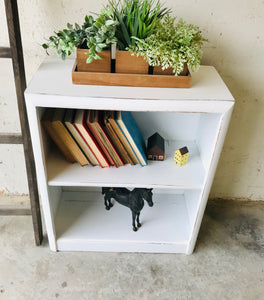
136,18
171,45
95,35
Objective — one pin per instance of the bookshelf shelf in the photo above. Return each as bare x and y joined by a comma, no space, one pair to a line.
165,174
73,207
166,223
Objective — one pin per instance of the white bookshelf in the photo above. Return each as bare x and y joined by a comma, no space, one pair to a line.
73,205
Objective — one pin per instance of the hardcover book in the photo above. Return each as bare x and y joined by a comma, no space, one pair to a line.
115,139
58,126
46,122
130,129
68,121
102,133
80,123
122,137
92,123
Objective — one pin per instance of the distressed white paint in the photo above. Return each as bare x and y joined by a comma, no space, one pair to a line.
235,48
78,225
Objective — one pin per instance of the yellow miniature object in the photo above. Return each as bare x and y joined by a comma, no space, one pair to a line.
181,156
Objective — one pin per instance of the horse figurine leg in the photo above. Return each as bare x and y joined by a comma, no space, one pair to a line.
107,197
134,215
107,202
135,219
138,223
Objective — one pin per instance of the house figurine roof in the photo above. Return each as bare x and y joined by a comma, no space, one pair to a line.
155,141
181,156
183,150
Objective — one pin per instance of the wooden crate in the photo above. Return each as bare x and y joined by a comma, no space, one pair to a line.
101,65
140,80
130,64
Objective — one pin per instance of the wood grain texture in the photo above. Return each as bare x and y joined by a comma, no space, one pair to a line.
101,65
140,80
11,138
5,52
130,64
20,83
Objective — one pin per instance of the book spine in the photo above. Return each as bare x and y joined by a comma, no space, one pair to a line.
99,124
70,142
103,160
124,141
87,143
58,141
96,136
117,144
131,131
83,145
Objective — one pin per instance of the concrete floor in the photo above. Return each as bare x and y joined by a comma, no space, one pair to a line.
228,263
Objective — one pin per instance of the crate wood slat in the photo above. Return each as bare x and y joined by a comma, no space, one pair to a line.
5,52
11,138
140,80
12,18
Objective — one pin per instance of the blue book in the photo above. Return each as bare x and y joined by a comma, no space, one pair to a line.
131,131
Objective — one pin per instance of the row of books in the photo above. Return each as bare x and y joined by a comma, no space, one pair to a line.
96,137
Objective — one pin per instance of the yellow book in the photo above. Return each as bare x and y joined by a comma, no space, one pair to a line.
63,133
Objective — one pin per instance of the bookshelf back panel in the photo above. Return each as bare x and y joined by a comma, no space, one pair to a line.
170,125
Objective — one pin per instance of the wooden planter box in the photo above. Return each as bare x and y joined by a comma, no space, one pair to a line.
130,64
100,65
129,71
140,80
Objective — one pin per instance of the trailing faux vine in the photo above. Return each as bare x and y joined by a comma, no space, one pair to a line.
95,35
171,45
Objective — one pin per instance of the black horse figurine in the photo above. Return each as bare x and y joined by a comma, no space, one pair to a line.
133,199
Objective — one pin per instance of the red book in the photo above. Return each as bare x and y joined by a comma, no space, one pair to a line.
100,137
80,124
103,133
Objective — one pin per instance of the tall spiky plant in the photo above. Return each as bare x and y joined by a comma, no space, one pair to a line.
136,18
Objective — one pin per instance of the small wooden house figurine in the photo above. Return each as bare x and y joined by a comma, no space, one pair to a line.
155,147
181,156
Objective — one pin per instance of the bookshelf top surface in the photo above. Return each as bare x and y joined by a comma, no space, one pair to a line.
54,78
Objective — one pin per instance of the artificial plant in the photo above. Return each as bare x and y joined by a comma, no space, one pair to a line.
136,18
95,35
171,45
